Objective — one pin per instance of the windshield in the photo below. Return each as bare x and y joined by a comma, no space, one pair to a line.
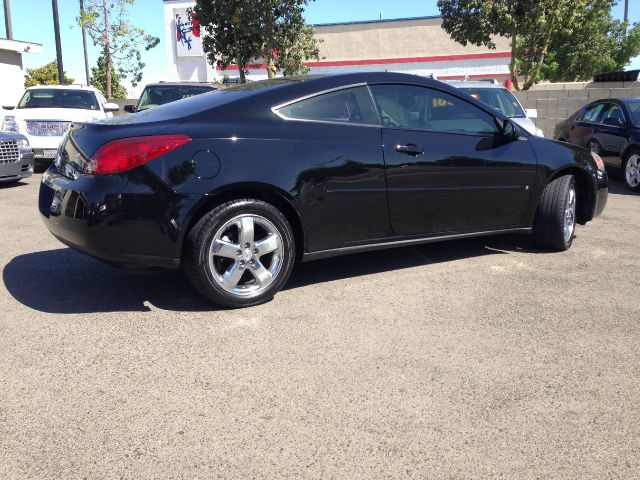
59,98
634,110
499,99
155,96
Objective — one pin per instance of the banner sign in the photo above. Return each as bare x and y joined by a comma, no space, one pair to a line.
187,34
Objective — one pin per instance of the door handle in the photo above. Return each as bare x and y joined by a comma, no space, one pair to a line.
410,149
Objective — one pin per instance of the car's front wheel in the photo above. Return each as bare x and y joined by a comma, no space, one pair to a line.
555,222
241,253
631,166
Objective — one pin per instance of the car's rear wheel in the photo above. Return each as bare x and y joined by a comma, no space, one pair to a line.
241,253
555,223
631,165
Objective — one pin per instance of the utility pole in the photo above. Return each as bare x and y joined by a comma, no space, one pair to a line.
56,29
84,46
7,19
626,10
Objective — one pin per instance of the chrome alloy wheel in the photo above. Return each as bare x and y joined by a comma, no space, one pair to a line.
570,215
246,255
632,173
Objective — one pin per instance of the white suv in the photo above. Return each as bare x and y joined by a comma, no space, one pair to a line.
45,112
500,98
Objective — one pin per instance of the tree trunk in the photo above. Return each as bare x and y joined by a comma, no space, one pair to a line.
512,63
271,67
107,50
241,67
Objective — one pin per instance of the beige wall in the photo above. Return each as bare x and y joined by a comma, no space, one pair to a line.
393,39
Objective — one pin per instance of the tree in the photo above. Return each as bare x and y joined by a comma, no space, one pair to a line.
600,44
45,75
559,40
99,80
238,32
232,33
286,41
530,25
120,42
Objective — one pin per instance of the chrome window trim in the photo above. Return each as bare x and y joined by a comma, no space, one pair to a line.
276,109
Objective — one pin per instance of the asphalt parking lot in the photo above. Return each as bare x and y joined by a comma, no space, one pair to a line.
469,359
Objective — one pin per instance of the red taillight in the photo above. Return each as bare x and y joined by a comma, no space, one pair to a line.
126,153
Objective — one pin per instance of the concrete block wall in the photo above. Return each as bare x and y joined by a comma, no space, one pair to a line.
557,101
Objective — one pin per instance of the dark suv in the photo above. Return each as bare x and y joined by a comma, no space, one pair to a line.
611,128
156,94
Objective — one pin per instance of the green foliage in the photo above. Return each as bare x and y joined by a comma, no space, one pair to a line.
550,39
99,80
45,75
108,26
238,32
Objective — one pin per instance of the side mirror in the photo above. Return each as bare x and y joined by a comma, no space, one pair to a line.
111,107
130,108
531,112
509,130
614,122
8,107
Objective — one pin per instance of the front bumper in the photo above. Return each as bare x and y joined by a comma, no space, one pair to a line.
11,172
113,219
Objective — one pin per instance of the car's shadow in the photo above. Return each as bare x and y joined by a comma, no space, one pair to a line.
9,185
64,281
618,187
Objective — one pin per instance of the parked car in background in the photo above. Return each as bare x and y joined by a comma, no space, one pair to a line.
16,157
500,98
156,94
238,185
611,128
45,112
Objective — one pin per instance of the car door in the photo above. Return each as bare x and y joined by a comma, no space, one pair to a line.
333,139
448,169
611,133
583,128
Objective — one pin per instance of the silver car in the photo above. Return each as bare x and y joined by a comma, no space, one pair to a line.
500,98
16,157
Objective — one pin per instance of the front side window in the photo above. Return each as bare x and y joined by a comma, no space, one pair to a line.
59,98
613,111
408,106
634,110
592,113
350,105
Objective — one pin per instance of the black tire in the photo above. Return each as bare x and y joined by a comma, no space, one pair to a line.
633,154
199,240
549,225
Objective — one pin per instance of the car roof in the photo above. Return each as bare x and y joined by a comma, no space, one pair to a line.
477,84
64,87
282,90
180,84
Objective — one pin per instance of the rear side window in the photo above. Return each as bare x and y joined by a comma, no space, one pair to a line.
591,114
423,108
350,105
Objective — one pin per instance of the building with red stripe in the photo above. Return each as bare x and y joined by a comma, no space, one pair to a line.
410,45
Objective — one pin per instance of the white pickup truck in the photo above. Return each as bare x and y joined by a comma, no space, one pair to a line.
44,113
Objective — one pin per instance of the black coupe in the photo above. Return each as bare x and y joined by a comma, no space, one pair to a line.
237,185
611,128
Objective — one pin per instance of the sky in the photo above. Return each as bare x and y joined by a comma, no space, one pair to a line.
32,21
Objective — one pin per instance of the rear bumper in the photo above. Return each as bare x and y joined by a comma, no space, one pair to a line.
112,219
